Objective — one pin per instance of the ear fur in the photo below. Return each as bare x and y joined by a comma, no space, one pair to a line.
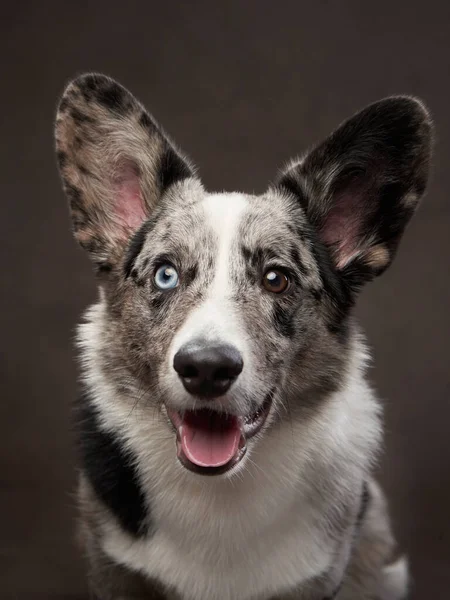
115,163
360,187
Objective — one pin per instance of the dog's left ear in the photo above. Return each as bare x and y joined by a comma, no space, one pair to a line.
360,187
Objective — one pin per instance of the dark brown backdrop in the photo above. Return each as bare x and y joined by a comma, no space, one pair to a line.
242,88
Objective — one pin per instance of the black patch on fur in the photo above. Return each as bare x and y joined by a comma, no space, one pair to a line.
258,257
365,499
146,121
75,195
92,245
166,235
103,268
270,253
114,97
251,276
290,183
332,280
339,297
63,105
111,470
62,158
295,257
157,302
356,273
160,303
135,276
80,117
80,216
135,247
88,86
284,321
190,274
161,300
255,257
316,294
172,168
246,253
83,170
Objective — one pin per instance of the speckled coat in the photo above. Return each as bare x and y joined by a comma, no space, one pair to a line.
299,517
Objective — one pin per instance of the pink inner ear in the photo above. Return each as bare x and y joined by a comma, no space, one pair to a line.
129,205
343,226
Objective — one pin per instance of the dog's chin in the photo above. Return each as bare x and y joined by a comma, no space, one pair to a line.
209,442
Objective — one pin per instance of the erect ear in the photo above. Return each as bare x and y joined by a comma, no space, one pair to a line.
360,187
115,164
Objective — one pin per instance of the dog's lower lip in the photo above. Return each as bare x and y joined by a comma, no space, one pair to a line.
249,425
253,423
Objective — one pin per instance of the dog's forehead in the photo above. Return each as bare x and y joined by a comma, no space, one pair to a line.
222,213
247,215
228,217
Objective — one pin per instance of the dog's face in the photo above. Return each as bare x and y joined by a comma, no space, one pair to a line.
228,310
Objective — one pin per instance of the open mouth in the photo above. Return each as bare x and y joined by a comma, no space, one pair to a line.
212,443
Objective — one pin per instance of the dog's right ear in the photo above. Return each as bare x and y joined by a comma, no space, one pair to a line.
115,164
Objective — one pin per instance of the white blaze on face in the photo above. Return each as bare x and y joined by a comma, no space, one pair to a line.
215,319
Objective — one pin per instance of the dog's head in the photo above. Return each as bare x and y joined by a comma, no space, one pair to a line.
228,308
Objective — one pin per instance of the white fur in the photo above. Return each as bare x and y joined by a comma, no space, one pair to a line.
394,580
239,537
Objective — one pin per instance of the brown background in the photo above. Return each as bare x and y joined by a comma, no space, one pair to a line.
242,88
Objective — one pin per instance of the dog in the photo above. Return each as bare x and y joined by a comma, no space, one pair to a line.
226,430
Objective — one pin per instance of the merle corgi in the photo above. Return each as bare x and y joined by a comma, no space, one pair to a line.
227,432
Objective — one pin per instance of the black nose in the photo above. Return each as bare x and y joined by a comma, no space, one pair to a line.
207,370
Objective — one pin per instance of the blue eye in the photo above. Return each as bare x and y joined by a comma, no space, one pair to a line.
166,277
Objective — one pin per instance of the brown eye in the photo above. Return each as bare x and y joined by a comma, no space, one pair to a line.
275,281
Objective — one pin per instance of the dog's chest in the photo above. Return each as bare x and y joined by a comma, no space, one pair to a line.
227,544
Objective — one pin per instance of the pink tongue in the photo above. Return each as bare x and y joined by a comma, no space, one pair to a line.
209,439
